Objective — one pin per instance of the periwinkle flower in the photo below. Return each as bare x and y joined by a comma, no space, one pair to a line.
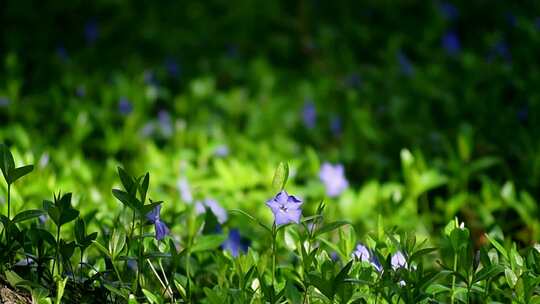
362,253
221,151
405,64
333,177
124,106
215,207
398,261
448,10
4,101
335,125
286,208
43,219
309,114
185,190
148,129
165,123
234,243
172,67
44,160
161,229
450,42
91,31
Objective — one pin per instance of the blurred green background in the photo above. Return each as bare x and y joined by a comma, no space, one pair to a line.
431,106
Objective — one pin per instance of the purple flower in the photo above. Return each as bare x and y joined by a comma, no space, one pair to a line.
448,10
398,260
335,125
91,31
234,243
62,53
160,227
4,101
213,205
221,151
81,91
362,253
333,177
165,123
44,160
450,42
185,190
405,64
309,114
286,208
43,219
124,106
375,263
172,67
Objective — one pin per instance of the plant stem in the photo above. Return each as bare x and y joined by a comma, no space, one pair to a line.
57,251
166,280
274,232
9,201
139,260
454,278
117,273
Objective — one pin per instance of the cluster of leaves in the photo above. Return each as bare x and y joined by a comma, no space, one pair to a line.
313,261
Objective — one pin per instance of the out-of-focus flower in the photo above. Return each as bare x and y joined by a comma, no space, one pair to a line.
4,101
333,177
499,49
215,207
286,208
81,91
405,64
221,151
91,31
172,67
43,219
353,80
161,229
62,53
185,190
335,125
398,260
124,106
148,129
234,243
309,114
448,10
450,42
44,160
165,123
149,77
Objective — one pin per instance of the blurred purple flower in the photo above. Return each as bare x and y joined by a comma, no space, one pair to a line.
165,123
286,208
185,190
44,160
335,125
149,77
234,243
43,219
62,53
215,207
4,101
309,114
172,67
160,227
353,80
334,256
398,260
333,177
91,31
499,49
221,151
448,10
80,91
148,129
124,106
450,42
405,64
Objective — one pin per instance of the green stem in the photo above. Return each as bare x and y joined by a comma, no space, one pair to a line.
117,273
9,201
454,278
139,260
274,232
57,251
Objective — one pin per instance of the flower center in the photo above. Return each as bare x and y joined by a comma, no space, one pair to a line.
283,208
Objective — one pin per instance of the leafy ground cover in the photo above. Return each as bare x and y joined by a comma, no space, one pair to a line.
380,152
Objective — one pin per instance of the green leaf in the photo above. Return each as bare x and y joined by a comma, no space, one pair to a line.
280,177
498,246
102,248
152,299
143,189
28,215
15,174
80,231
6,162
127,199
208,242
68,215
60,287
252,219
127,181
116,243
330,227
488,272
511,277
